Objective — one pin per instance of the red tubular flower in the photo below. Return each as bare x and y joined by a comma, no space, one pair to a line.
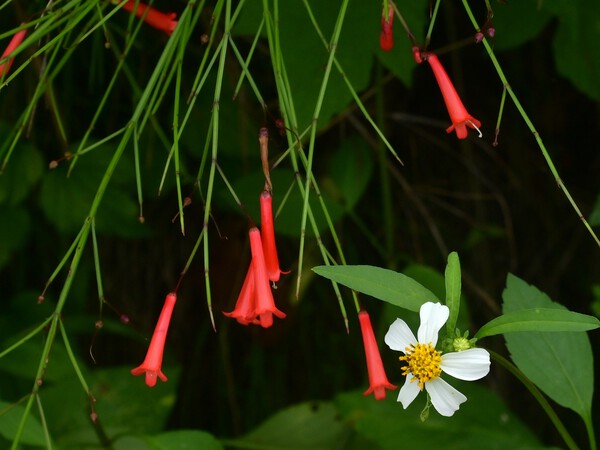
265,305
268,236
152,364
386,38
162,21
377,378
245,307
12,45
461,119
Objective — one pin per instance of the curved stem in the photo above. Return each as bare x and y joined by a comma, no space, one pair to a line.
538,396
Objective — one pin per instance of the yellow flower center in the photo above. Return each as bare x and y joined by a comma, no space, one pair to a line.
423,363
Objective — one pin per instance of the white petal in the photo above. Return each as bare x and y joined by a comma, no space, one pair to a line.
433,317
468,365
409,391
445,399
399,336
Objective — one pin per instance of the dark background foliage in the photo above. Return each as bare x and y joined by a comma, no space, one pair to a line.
498,206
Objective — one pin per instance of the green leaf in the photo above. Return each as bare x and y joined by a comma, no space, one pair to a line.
248,189
125,405
183,440
23,170
14,228
10,417
575,43
384,284
66,201
354,53
594,218
518,22
314,425
351,170
559,363
483,422
538,319
453,288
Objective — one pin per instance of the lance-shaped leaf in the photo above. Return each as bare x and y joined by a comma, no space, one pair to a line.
383,284
538,319
561,364
453,287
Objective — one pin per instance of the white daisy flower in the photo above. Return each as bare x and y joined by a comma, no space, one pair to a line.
425,364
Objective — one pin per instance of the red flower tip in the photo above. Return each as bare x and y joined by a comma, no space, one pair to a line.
377,378
461,119
268,236
153,361
12,45
265,305
386,38
161,21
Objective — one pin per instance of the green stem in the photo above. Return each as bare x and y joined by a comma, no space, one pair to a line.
431,24
289,116
85,230
530,125
497,132
43,423
215,152
25,338
538,396
313,135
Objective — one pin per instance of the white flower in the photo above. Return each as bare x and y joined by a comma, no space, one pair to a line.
424,364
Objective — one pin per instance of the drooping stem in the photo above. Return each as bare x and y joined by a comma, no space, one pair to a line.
530,125
538,396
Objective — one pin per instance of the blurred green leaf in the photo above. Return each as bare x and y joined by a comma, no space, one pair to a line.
354,53
25,359
384,284
350,172
560,363
171,440
14,229
10,417
124,404
248,189
21,173
594,218
538,319
482,422
185,439
453,289
575,43
314,425
66,201
518,22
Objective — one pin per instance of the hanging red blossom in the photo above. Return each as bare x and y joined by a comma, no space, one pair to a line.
268,236
153,361
161,21
255,304
377,378
12,45
265,305
461,119
386,38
